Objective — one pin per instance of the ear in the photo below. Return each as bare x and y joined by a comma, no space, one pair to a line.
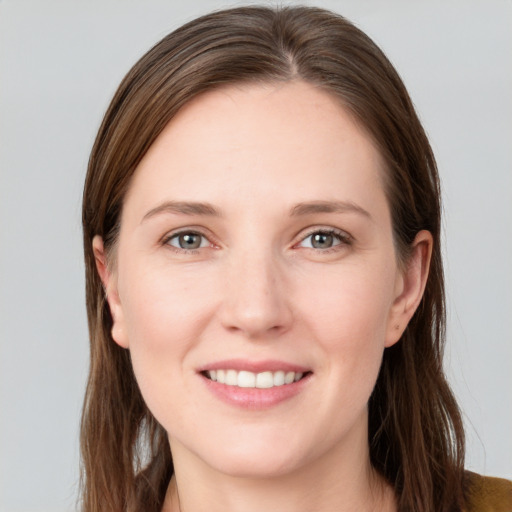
409,287
109,280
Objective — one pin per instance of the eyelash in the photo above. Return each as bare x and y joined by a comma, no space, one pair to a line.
344,240
181,250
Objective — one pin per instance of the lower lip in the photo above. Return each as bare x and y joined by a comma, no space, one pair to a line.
255,398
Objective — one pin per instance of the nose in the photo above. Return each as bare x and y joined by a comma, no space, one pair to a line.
255,300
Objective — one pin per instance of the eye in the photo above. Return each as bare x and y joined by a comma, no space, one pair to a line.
324,239
188,240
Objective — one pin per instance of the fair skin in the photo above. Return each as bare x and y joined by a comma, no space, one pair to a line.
287,268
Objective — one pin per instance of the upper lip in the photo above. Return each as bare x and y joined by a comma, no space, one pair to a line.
253,366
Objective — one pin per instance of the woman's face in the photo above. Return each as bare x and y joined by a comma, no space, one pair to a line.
256,249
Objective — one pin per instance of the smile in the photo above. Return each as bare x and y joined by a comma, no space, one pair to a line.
246,379
255,385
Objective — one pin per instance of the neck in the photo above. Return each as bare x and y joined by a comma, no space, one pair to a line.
341,480
251,496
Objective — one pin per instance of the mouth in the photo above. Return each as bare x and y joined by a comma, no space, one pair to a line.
246,379
255,385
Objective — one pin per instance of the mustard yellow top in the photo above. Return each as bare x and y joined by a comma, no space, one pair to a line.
489,494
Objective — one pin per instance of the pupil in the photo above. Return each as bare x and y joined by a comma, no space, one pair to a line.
190,241
322,240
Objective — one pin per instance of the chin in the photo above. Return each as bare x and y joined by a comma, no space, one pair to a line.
255,456
256,467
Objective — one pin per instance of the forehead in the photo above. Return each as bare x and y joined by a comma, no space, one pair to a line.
288,142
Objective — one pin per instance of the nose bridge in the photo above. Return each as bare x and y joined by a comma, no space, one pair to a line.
255,301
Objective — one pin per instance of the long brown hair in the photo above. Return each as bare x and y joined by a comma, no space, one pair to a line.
415,430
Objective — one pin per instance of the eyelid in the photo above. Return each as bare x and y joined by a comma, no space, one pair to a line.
344,237
187,230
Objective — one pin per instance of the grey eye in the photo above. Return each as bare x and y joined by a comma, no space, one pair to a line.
188,241
322,240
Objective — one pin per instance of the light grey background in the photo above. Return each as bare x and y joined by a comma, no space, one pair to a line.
60,63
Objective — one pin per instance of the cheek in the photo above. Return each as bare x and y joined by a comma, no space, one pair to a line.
348,319
164,309
350,307
164,316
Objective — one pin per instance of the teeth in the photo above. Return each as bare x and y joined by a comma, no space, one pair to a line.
263,380
278,378
246,380
231,378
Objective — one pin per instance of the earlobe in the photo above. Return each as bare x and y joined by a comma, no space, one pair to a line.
410,287
111,293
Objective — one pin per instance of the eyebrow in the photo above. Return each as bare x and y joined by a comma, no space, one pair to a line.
310,207
300,209
183,208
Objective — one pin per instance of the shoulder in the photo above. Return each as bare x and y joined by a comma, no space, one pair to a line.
488,494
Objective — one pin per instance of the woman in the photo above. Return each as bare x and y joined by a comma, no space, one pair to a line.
264,280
